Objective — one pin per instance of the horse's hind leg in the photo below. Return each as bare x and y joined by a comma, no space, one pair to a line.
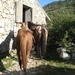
19,59
28,54
20,62
25,72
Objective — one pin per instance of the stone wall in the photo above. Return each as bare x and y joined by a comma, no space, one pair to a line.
7,19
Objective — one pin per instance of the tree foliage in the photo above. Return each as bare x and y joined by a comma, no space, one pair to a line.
62,25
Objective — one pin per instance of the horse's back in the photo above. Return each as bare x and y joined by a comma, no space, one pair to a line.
30,39
26,36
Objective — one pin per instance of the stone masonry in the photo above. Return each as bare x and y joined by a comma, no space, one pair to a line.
7,19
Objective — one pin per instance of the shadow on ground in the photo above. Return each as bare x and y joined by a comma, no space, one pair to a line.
52,55
2,55
45,70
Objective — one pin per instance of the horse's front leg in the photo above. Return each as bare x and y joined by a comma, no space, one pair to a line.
38,50
40,53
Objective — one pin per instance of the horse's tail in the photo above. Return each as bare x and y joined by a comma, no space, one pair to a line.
43,41
23,44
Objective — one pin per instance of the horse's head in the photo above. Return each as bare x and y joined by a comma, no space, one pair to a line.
30,24
23,26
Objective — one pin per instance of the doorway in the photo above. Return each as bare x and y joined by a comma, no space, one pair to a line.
27,13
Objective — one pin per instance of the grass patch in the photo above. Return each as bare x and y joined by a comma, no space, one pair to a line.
54,65
6,61
56,68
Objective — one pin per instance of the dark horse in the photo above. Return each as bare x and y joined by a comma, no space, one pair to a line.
24,42
41,35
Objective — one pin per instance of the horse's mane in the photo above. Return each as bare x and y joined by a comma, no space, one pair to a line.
30,23
33,24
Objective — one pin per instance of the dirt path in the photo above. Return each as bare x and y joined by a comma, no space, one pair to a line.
31,68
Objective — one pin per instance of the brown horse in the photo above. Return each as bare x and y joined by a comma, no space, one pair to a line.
24,43
41,35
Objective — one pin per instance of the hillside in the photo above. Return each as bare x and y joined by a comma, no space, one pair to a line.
60,7
62,25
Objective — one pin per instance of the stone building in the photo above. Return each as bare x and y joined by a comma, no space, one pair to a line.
12,11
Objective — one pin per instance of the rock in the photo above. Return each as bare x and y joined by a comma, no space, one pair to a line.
65,55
